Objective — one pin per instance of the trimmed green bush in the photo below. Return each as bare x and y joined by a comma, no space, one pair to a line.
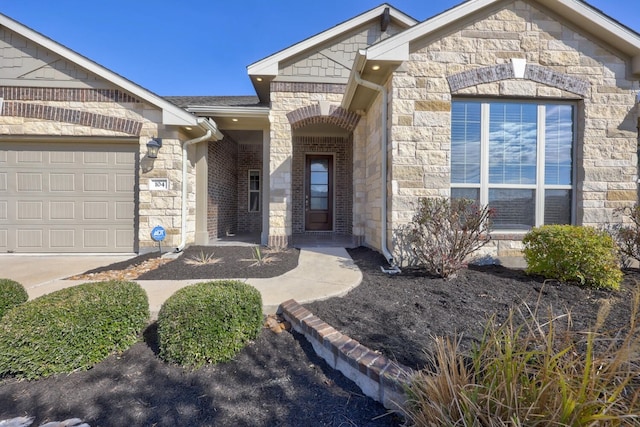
71,329
12,294
208,322
573,254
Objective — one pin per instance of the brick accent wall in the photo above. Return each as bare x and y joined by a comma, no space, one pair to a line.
342,149
68,115
308,87
222,205
249,157
17,93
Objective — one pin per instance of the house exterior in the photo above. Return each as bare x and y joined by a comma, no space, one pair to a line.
529,106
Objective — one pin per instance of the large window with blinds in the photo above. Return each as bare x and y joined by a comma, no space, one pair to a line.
515,157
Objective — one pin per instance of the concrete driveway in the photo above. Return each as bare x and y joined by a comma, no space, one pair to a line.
36,270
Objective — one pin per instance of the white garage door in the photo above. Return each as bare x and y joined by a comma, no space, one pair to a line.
67,197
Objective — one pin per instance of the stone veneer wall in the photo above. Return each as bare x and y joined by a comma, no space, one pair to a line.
368,177
606,151
98,112
342,151
287,97
222,205
249,157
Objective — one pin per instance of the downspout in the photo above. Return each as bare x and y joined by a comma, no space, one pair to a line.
211,130
385,140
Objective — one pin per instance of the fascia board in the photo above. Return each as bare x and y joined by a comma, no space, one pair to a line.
230,111
269,65
171,114
350,91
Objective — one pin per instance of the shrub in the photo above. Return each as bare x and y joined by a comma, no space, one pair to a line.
533,372
573,254
71,329
208,322
628,236
445,232
12,294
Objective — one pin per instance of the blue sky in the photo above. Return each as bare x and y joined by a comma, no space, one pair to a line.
202,47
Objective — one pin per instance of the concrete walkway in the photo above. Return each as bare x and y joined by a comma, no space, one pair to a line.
321,273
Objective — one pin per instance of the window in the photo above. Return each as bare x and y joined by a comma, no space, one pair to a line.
515,157
254,190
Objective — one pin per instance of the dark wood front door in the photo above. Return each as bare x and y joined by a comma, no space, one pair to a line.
318,197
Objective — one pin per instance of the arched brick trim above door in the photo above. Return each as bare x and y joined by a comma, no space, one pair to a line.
322,113
518,69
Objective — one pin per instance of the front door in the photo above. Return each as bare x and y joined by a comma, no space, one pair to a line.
318,198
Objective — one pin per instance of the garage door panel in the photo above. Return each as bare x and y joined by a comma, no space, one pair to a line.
96,239
125,159
59,182
96,158
29,210
62,239
29,238
124,238
29,181
96,210
124,210
62,210
125,182
67,197
29,157
62,157
96,182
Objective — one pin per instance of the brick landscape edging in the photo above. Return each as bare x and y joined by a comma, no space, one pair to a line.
378,377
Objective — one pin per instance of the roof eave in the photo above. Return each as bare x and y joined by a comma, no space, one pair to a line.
171,114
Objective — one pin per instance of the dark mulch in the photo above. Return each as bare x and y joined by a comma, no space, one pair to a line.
237,262
399,315
213,262
278,380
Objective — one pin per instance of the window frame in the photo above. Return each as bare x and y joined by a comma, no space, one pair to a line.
258,173
539,187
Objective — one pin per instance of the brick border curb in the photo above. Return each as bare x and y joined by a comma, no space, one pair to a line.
378,377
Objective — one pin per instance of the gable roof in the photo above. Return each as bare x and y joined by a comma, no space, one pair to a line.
396,49
171,114
576,11
264,70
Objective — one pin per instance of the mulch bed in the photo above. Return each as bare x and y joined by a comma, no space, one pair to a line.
200,262
398,315
278,379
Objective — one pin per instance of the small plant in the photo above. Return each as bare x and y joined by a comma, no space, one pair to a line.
260,258
71,329
203,258
12,294
534,372
628,236
573,254
445,232
208,322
